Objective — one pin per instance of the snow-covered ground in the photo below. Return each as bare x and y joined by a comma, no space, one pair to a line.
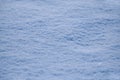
59,39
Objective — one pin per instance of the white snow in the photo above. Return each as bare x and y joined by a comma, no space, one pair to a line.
59,39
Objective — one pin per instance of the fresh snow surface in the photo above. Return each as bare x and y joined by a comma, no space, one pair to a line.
59,39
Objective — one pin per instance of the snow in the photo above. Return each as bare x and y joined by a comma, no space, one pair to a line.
59,39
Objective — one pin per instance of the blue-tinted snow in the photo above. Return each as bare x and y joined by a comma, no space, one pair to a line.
59,39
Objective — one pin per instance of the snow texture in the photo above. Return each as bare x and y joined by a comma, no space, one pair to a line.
59,39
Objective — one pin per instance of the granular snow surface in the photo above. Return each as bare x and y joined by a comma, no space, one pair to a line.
59,39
